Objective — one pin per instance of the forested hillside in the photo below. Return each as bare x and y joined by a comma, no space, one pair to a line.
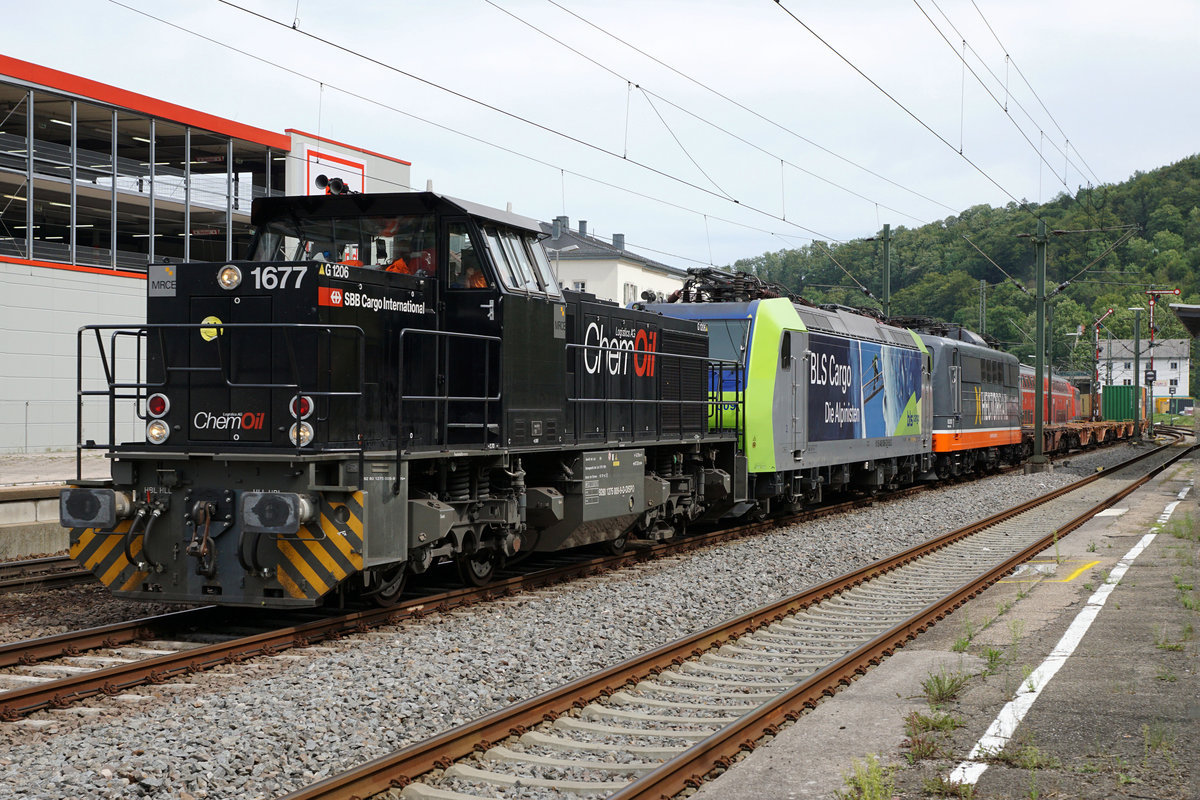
936,271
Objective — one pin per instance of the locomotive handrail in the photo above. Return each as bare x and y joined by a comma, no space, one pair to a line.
444,398
716,369
114,388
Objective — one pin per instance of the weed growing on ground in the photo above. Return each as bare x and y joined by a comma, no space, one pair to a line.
1026,671
1016,627
994,658
942,787
943,687
867,781
917,723
1184,529
1025,757
921,747
1162,642
1184,554
1156,738
1091,548
1165,674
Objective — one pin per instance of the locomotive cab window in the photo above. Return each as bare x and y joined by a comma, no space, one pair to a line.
515,252
542,263
404,243
520,262
466,268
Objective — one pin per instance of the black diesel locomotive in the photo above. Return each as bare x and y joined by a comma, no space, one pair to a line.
391,381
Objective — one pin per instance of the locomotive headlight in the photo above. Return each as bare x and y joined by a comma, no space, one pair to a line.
157,431
301,433
158,405
230,277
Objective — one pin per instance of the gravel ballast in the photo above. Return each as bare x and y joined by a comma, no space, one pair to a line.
275,724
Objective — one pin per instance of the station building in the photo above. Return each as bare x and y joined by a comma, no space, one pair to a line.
1172,364
96,183
587,263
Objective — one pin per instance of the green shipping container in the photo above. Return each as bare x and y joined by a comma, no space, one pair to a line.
1117,402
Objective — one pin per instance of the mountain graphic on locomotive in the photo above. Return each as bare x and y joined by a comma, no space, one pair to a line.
391,381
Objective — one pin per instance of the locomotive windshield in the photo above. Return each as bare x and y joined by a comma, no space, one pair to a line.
727,339
403,243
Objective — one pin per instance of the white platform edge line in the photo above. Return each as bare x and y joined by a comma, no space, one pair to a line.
1005,725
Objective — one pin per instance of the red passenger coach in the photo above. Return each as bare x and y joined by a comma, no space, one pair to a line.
1061,403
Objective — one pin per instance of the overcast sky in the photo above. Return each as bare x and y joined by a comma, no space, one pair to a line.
643,143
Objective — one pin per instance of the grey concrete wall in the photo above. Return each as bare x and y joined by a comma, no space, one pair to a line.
41,309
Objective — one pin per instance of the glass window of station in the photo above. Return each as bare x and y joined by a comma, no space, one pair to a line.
84,183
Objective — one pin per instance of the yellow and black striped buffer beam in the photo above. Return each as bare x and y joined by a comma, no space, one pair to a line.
103,552
325,552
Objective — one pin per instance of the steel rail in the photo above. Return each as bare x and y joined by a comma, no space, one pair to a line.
403,766
718,751
31,651
51,572
58,693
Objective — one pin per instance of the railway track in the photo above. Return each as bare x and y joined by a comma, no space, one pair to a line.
51,572
56,671
657,724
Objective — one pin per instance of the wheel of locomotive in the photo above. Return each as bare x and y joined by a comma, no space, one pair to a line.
391,587
478,568
616,547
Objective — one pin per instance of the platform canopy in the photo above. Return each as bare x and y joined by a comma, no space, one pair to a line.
1189,316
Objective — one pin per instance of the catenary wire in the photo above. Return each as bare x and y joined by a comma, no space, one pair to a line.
985,87
749,110
996,78
1031,89
485,142
1020,203
698,117
516,117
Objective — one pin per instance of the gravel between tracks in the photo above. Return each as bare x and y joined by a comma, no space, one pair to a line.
279,723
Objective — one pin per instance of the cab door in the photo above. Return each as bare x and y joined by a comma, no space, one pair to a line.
469,353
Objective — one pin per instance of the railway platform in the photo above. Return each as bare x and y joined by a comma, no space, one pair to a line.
29,484
1117,719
